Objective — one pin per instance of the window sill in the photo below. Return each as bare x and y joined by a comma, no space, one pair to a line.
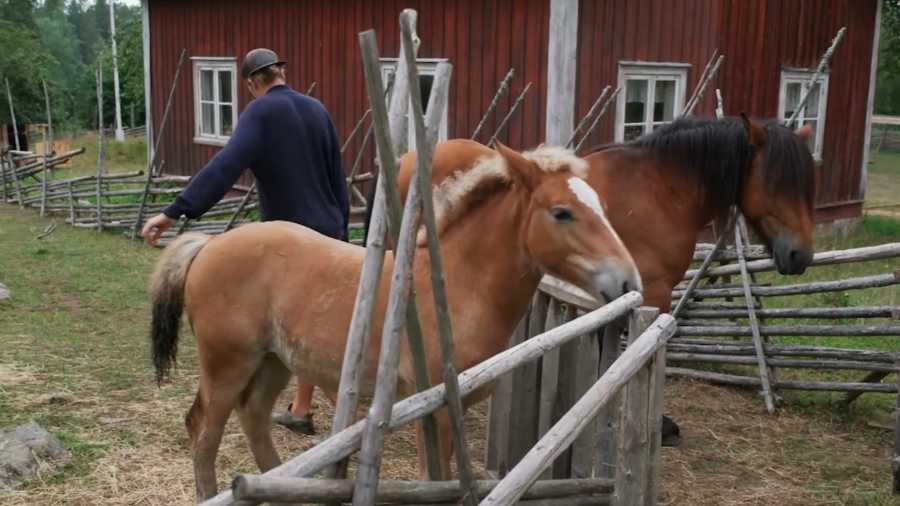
210,141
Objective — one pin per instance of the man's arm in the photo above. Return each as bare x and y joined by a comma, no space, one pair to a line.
220,174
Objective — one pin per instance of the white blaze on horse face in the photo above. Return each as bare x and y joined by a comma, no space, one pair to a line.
587,196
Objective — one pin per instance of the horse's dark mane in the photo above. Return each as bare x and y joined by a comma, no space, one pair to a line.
717,153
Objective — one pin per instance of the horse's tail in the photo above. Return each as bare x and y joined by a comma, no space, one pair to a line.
167,292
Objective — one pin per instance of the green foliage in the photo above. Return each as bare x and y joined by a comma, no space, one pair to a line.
887,87
64,42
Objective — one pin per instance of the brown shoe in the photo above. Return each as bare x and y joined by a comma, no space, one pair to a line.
298,424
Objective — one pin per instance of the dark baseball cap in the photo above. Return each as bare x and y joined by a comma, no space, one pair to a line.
259,59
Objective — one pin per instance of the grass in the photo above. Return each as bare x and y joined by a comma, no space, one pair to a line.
883,186
127,156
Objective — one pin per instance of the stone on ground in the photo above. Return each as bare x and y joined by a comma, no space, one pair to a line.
24,450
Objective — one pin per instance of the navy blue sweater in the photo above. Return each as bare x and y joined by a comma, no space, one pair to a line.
288,140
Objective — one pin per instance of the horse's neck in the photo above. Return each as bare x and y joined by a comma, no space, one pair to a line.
490,280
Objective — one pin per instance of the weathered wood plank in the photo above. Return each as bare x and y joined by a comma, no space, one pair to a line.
570,426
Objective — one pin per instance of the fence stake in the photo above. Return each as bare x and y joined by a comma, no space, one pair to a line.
509,114
588,116
701,87
597,119
101,147
48,142
820,68
504,87
151,163
12,116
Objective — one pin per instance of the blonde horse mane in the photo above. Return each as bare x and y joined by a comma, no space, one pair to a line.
464,188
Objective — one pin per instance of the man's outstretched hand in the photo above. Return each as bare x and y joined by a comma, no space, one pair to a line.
154,228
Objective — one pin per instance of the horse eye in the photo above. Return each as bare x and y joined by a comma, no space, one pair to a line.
562,214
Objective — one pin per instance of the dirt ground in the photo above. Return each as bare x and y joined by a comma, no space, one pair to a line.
732,452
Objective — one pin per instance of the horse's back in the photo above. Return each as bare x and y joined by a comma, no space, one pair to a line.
263,265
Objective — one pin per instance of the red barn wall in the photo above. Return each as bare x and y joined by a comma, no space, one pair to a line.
482,39
758,38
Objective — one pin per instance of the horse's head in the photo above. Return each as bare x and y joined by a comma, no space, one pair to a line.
566,232
778,193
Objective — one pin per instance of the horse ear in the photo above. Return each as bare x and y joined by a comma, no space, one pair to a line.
756,134
804,132
521,169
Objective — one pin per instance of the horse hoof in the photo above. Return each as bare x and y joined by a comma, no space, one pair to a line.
297,424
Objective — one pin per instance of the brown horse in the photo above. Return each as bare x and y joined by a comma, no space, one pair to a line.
273,298
664,188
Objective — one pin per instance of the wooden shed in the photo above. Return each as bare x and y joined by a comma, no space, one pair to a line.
655,49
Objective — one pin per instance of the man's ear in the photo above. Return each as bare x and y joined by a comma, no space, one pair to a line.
804,132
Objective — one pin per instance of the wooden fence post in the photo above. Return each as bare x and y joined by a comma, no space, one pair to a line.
608,419
635,429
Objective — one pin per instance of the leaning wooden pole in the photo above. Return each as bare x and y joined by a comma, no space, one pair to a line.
101,148
587,117
311,88
701,87
754,323
240,208
501,90
12,116
820,69
398,304
425,142
512,110
386,217
597,119
48,142
152,162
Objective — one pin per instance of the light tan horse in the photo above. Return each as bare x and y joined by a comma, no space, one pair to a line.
273,298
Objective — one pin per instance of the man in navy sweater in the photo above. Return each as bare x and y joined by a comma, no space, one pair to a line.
288,141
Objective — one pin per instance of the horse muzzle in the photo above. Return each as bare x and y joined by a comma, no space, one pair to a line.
791,259
613,280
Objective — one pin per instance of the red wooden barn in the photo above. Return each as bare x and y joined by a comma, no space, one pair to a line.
655,49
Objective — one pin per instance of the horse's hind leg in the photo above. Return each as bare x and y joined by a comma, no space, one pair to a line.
255,409
220,388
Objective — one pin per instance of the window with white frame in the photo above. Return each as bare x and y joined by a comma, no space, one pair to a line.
427,68
215,99
793,85
652,95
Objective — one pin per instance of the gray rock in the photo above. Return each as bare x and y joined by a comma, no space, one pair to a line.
4,292
23,449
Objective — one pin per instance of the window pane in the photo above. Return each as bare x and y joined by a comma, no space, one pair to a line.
633,132
635,100
207,118
811,142
664,101
812,106
791,98
225,92
425,83
206,85
225,112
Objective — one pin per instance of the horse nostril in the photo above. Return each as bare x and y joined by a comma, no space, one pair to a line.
625,287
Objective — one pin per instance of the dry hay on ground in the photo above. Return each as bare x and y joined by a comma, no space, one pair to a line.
732,454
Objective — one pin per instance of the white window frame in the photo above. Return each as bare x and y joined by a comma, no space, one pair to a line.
426,67
802,76
216,64
651,72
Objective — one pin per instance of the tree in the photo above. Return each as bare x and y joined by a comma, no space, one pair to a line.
887,87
